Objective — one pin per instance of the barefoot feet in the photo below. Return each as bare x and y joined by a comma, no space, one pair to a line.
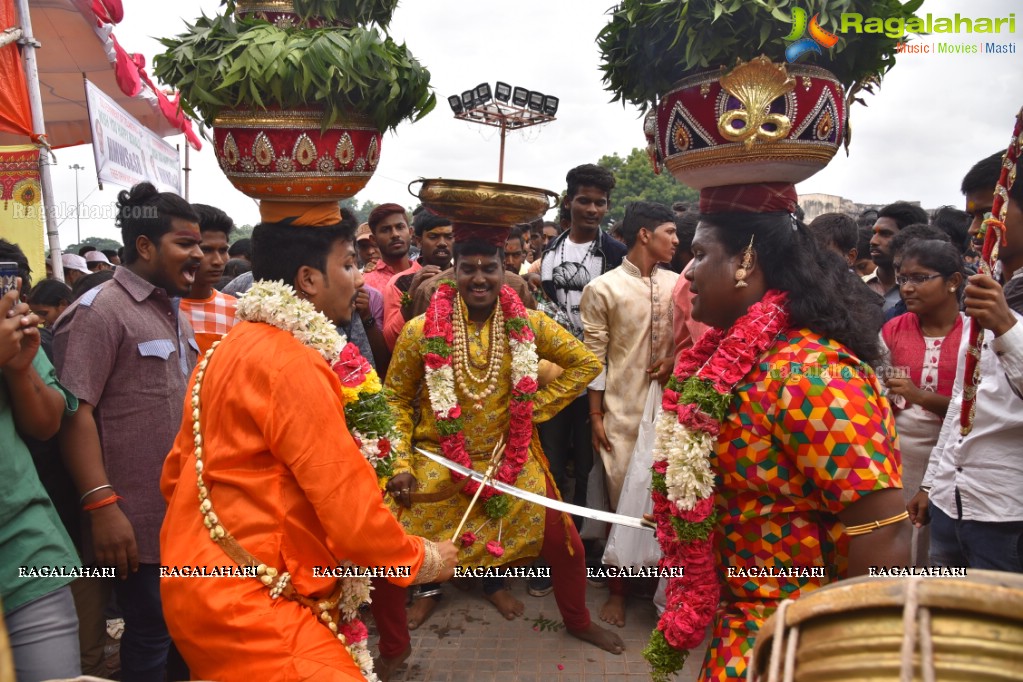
420,611
510,607
613,610
600,637
385,666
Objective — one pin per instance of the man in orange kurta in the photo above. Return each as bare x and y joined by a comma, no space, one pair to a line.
289,483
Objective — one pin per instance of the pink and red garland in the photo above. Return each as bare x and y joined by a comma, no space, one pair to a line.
438,332
698,396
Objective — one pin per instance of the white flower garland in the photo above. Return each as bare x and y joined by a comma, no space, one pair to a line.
689,477
441,385
277,304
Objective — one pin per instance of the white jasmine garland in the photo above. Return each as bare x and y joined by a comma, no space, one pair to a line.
441,385
524,360
277,304
689,477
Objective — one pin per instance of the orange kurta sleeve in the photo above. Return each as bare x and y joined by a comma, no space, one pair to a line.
306,431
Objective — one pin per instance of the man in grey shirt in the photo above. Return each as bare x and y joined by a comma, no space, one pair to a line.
125,352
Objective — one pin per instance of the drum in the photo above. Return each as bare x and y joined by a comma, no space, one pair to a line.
967,628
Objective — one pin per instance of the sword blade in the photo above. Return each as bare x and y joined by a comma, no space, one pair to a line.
542,500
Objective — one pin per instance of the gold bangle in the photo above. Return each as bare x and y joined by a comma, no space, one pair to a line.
865,528
432,565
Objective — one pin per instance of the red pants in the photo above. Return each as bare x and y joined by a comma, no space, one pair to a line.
568,573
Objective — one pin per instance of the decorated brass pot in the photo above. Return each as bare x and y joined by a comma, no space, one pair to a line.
758,120
280,13
967,629
283,155
484,204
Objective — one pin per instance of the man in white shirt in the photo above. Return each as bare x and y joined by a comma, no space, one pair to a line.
972,493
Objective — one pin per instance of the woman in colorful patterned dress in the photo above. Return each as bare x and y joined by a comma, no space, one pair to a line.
800,440
923,350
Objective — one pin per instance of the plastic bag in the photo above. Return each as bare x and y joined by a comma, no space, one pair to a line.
596,498
635,546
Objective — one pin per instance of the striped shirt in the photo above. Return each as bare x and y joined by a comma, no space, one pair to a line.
211,317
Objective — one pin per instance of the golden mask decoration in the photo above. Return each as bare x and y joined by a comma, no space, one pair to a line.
756,84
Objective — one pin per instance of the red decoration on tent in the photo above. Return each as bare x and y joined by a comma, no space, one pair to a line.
15,114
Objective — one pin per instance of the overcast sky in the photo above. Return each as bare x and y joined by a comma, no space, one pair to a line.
934,116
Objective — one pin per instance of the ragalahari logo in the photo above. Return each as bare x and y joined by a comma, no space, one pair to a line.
818,38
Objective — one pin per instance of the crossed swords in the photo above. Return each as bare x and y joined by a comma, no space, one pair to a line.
542,500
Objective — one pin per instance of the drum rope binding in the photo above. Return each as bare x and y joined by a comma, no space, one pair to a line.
916,620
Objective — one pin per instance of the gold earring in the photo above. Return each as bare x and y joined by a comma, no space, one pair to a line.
747,262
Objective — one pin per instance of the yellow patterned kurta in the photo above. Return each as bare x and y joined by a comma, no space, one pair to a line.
522,528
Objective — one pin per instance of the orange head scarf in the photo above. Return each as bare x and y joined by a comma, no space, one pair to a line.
298,214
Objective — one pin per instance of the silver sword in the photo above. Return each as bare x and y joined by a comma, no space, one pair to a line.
542,500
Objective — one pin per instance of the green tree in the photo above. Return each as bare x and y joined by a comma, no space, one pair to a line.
241,232
636,181
100,243
362,210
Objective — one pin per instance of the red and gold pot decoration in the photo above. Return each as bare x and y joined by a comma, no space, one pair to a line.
286,156
280,13
757,120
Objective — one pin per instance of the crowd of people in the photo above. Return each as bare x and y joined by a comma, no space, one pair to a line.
187,373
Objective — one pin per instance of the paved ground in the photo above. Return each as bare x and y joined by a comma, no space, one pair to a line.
467,640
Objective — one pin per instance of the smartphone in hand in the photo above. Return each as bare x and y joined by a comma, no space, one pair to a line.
8,277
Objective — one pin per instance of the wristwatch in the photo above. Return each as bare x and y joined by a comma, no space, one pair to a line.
369,322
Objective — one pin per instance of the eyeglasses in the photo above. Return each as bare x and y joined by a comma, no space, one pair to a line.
915,280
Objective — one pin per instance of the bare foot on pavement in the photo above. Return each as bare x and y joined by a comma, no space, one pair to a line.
510,607
385,666
420,611
600,637
613,610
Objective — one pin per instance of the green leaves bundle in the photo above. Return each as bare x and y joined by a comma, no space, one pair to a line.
650,44
348,11
228,63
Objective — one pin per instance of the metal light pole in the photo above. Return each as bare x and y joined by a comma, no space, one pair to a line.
526,109
78,217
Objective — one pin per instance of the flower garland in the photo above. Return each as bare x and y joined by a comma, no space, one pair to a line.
695,402
367,416
438,332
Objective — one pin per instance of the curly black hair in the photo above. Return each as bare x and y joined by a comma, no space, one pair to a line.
143,211
984,174
824,295
589,175
903,213
212,219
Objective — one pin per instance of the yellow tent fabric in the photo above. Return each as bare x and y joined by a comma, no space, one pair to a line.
21,207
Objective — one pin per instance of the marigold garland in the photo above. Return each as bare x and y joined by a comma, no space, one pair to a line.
438,333
695,402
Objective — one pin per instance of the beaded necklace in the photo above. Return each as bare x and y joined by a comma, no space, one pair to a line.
463,362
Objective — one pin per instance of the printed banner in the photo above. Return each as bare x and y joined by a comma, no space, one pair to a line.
126,151
21,213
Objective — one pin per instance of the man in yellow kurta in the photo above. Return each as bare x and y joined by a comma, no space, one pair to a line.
264,473
480,324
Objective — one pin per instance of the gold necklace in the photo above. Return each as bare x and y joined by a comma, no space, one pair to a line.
461,356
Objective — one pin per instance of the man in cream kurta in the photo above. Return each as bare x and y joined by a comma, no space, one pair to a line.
627,322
